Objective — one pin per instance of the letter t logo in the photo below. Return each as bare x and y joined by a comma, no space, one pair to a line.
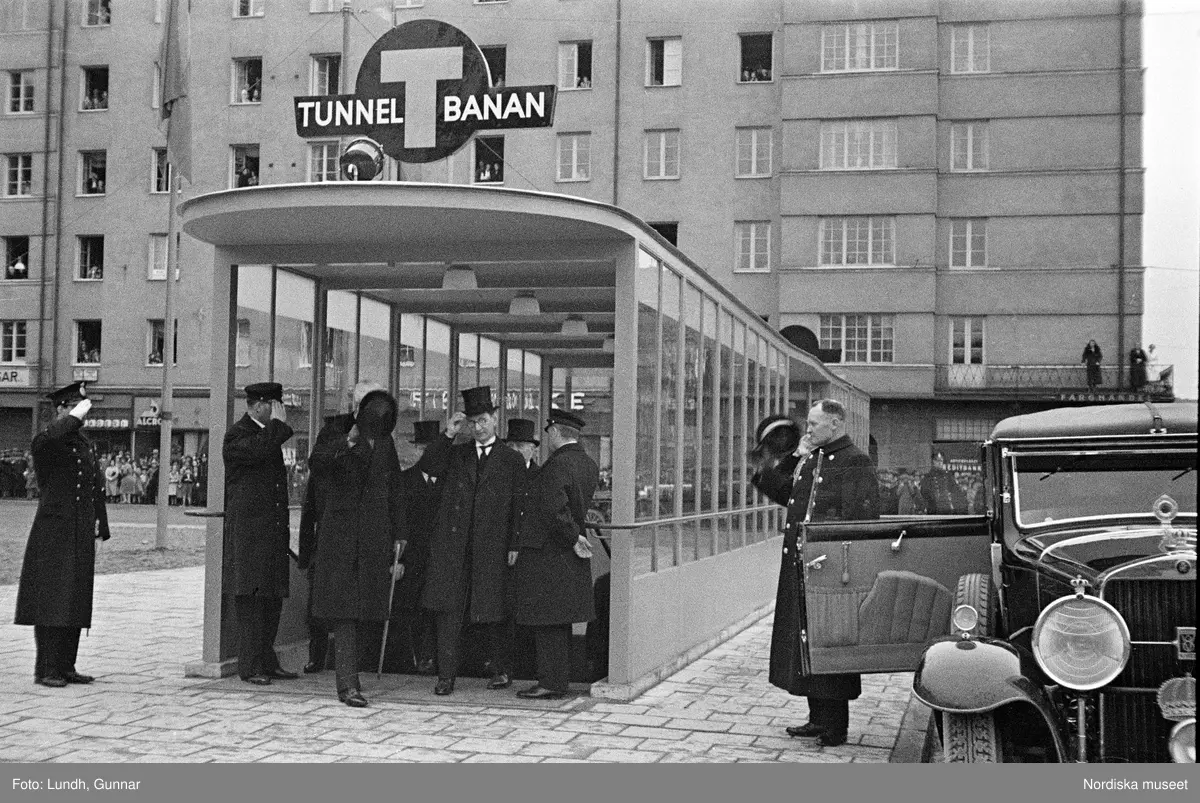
420,70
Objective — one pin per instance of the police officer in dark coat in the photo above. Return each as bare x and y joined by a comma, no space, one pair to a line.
363,520
848,490
483,483
255,565
55,592
334,432
553,570
423,495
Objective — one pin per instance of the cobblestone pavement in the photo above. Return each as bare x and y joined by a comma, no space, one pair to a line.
141,708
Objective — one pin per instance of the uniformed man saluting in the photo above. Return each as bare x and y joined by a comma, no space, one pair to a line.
55,595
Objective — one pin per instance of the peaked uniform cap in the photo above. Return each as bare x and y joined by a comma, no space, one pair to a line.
264,391
67,394
566,418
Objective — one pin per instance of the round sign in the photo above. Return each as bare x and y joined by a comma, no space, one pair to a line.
434,50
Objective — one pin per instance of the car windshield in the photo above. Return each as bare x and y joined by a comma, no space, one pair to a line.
1077,485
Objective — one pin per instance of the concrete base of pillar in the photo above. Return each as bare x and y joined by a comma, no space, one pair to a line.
292,656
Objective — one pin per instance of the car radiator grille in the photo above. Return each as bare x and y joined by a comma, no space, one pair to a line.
1133,725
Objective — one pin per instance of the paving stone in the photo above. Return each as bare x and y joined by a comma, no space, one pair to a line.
625,756
492,758
699,725
106,730
569,750
42,725
541,735
498,746
360,750
427,755
299,758
643,732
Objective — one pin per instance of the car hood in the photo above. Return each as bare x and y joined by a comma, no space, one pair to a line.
1095,550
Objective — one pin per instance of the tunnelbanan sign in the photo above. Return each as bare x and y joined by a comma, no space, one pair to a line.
423,90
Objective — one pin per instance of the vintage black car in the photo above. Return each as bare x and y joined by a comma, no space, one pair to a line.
1073,622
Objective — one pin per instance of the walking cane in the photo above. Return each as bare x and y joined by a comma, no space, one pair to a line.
396,569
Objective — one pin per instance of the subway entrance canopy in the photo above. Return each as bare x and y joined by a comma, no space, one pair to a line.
552,300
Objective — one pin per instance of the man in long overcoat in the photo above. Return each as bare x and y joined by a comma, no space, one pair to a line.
334,432
362,521
55,591
483,483
847,491
255,564
553,570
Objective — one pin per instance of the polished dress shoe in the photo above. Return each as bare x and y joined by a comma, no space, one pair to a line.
425,667
807,729
829,739
313,667
353,698
258,680
76,677
279,673
444,686
53,681
500,680
536,692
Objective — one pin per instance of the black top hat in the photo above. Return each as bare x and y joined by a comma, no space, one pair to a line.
478,400
522,430
68,394
426,431
264,391
567,419
772,423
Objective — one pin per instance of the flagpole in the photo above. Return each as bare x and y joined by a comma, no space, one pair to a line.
168,358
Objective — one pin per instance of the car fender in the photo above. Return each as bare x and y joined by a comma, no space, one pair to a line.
975,676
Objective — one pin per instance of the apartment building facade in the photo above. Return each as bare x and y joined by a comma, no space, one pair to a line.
943,198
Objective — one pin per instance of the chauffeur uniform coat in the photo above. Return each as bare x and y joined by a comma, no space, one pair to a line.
60,557
256,509
848,491
553,584
476,525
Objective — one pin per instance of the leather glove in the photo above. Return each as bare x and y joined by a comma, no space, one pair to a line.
80,410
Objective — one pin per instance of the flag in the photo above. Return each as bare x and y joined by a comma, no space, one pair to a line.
174,65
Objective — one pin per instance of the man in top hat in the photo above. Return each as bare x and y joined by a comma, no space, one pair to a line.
333,432
553,569
523,440
55,592
255,554
482,489
423,495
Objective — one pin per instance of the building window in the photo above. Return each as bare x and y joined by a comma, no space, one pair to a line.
860,46
574,157
489,160
858,241
20,92
245,166
12,342
756,57
574,65
406,355
156,87
860,337
247,8
969,146
87,342
93,172
323,161
661,154
16,257
91,258
963,430
669,231
966,341
160,171
402,3
247,81
858,145
496,57
97,12
326,75
244,343
664,62
752,247
968,243
753,152
156,261
94,94
18,15
969,48
19,178
325,6
156,342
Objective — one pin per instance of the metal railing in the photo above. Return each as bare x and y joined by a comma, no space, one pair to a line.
1039,380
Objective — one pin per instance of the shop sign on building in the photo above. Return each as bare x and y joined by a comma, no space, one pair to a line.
422,92
11,377
85,374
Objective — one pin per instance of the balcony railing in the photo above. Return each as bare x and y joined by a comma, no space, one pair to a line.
1050,380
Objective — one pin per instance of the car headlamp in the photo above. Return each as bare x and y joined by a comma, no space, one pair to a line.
1183,742
964,619
1081,642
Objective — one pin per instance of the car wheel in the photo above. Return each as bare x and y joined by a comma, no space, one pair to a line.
970,739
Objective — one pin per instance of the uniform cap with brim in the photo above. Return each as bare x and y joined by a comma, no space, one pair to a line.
566,418
67,394
264,391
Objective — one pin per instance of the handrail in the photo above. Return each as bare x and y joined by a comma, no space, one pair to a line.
678,519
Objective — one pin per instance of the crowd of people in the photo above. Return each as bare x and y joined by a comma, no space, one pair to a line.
134,481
